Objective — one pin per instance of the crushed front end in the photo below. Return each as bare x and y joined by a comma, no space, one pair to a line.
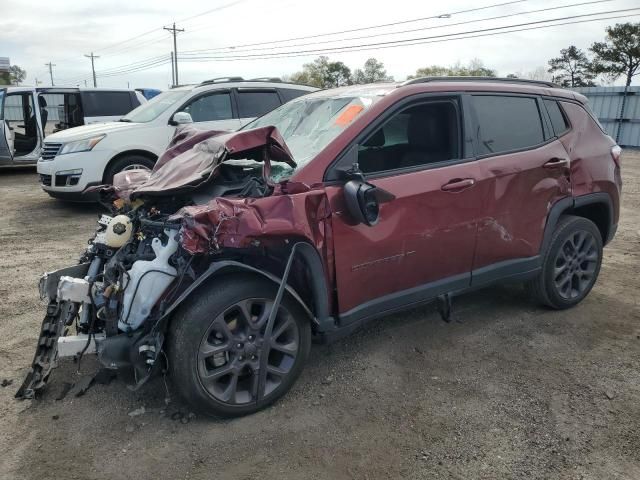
165,230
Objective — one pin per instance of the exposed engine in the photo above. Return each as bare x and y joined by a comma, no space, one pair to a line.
168,230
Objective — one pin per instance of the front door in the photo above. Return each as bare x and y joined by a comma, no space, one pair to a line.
6,137
424,242
212,111
22,116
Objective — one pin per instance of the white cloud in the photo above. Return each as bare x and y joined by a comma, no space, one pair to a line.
35,32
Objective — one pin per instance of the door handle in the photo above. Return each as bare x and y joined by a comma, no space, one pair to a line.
458,184
557,162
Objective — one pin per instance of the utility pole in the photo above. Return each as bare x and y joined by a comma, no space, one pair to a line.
38,82
93,70
173,73
51,65
175,31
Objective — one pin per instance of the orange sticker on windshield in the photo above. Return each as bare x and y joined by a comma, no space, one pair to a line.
348,115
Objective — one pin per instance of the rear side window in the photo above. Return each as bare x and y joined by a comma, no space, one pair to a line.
291,93
103,104
558,120
507,123
256,103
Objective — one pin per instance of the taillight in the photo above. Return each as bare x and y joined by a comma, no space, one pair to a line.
616,152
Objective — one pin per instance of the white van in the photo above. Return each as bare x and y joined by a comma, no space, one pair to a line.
75,159
29,114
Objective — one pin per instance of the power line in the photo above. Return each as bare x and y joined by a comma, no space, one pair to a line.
216,9
498,17
175,32
162,61
121,46
291,55
407,41
370,27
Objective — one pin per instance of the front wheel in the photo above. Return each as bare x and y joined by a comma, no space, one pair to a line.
570,265
221,360
128,162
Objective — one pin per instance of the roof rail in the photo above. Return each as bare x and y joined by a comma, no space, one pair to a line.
222,80
240,79
480,79
266,79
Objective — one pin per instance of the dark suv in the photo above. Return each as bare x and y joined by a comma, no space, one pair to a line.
336,208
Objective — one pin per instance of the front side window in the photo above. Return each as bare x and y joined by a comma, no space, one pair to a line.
106,104
420,135
507,123
211,107
255,103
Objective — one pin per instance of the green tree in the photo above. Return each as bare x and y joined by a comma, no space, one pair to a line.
372,72
619,54
17,74
322,73
475,68
572,68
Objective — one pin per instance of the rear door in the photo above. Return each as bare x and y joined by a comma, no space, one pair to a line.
255,102
524,170
6,151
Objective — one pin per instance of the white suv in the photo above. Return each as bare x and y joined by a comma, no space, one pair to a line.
77,158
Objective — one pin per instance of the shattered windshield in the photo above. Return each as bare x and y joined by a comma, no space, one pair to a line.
308,124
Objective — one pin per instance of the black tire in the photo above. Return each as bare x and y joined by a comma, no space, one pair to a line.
125,162
570,265
195,328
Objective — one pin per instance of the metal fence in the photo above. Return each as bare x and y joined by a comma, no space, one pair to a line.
618,114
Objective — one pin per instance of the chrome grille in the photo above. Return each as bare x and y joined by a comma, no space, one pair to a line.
50,150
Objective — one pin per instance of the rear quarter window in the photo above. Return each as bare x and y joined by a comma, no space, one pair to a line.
103,104
291,93
507,123
558,119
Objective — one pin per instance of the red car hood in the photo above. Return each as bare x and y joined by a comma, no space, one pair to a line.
193,157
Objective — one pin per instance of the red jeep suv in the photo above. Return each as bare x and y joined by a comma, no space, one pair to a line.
336,208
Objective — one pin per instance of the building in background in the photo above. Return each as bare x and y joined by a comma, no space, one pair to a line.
5,71
618,112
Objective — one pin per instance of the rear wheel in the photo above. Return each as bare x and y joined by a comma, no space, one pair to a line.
570,265
128,162
222,360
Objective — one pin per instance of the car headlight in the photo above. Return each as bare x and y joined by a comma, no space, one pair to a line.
81,145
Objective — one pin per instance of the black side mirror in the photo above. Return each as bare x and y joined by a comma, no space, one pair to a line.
363,201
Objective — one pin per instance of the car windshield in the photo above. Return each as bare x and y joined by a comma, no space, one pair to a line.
309,123
153,108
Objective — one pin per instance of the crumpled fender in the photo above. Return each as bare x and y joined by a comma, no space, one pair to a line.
240,222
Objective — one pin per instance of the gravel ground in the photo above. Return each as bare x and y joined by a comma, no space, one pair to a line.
510,390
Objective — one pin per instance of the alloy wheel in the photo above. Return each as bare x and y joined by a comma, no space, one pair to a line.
575,265
237,363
